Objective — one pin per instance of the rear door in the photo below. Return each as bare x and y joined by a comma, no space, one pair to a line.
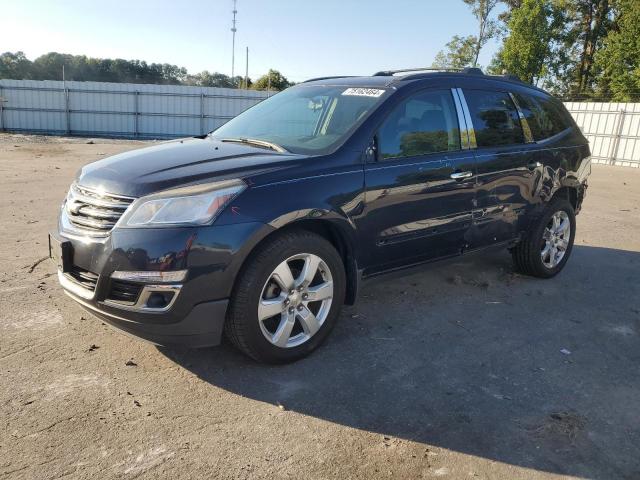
506,166
420,190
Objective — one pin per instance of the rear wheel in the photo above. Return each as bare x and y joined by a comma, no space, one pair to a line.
546,248
287,298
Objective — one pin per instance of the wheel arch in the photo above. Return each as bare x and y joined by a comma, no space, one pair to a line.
336,231
560,183
569,193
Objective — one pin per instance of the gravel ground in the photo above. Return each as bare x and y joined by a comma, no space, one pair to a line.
463,370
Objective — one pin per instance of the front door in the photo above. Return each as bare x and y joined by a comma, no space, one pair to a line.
420,190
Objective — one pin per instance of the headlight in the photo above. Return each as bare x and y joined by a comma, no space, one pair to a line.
196,205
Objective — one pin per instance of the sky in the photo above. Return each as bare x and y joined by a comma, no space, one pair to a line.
302,39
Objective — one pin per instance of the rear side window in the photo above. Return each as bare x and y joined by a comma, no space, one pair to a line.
545,116
425,123
495,118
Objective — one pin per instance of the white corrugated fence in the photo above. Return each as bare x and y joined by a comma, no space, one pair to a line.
118,109
613,130
167,111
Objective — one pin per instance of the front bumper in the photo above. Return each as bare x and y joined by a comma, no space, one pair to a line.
202,327
212,256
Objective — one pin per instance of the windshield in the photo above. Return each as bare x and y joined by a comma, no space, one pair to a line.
304,119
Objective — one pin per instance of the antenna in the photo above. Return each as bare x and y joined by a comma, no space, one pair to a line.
246,74
233,44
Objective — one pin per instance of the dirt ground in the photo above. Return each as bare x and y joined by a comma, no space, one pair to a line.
464,370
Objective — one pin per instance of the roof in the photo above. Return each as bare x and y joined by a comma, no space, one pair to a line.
353,81
387,78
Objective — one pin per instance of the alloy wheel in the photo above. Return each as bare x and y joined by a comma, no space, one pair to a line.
556,238
295,300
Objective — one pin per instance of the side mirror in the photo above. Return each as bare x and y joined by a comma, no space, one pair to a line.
371,152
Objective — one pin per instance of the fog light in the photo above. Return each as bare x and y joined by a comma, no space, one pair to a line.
159,299
151,277
154,298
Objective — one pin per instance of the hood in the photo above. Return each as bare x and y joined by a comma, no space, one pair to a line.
177,163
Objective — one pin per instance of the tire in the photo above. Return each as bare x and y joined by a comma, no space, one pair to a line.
260,291
528,254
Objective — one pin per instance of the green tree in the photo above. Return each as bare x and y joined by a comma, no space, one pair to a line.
573,30
511,5
618,61
210,79
458,53
49,66
585,25
82,68
527,47
463,52
239,82
487,27
273,80
15,66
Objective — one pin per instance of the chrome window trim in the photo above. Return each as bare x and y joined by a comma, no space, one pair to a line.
467,115
462,121
526,130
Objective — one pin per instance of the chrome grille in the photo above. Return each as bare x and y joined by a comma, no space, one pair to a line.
94,212
84,278
126,292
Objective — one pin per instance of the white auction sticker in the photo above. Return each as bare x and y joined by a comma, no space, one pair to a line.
363,92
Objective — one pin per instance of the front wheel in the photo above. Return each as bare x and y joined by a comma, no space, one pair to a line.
546,248
287,298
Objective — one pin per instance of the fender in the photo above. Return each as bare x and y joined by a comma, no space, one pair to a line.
339,228
337,219
571,172
322,203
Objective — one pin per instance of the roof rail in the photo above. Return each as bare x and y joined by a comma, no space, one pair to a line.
327,78
511,76
390,73
424,71
472,71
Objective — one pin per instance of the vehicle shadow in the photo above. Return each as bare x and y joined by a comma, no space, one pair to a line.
471,357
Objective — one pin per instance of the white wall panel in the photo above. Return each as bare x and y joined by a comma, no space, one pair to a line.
613,131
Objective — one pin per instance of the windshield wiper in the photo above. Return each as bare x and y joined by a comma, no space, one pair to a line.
257,143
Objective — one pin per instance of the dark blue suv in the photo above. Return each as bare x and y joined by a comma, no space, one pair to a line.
265,227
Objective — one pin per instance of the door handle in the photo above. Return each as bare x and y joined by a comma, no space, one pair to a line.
534,165
461,175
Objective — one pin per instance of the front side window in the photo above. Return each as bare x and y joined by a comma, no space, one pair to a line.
307,119
495,118
425,123
544,116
